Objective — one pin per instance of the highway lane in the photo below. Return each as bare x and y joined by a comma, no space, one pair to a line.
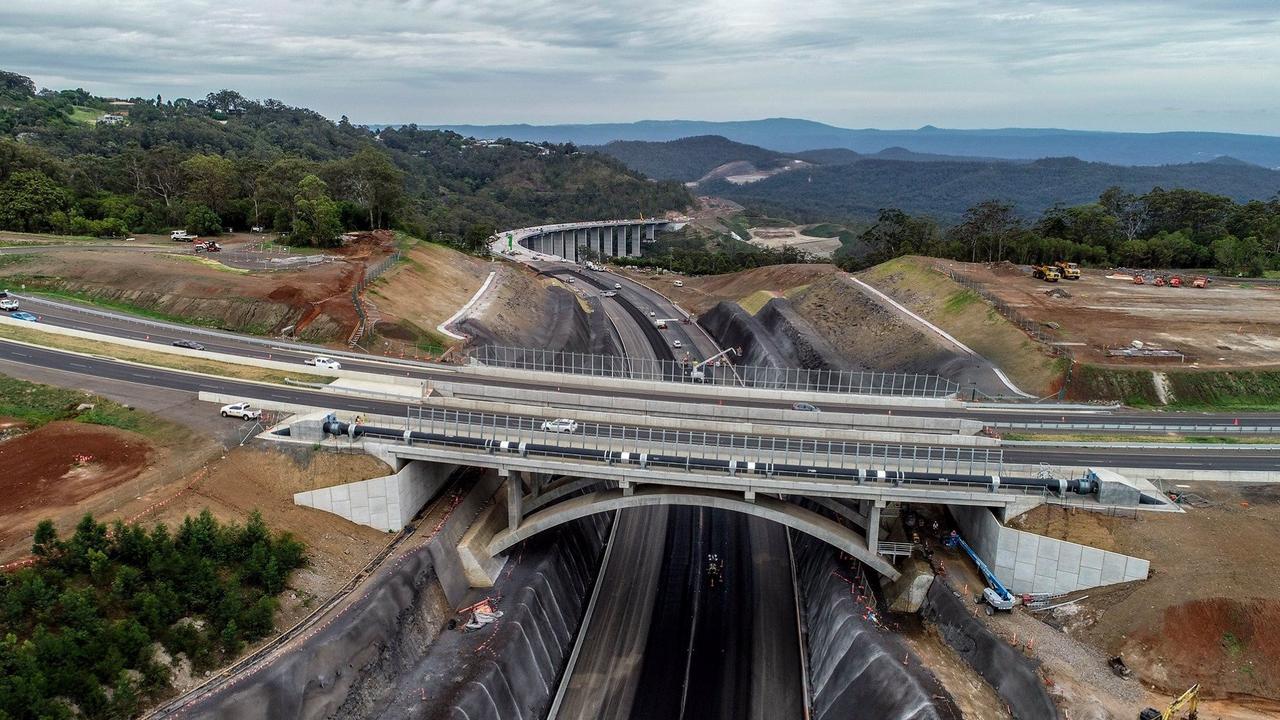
125,326
1234,458
603,681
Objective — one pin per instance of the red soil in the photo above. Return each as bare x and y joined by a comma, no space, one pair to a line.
61,464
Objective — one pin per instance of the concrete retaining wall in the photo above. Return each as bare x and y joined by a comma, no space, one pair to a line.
385,503
1027,562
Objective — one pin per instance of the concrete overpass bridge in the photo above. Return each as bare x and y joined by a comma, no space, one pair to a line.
572,241
836,494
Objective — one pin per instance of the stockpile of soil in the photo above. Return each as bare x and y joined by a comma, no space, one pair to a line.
59,465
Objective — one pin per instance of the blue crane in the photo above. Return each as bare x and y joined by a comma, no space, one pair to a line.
995,595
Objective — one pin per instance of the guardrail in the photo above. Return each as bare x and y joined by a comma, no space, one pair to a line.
753,376
1141,427
938,459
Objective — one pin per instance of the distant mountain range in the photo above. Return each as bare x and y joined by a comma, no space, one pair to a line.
945,189
791,135
707,157
815,185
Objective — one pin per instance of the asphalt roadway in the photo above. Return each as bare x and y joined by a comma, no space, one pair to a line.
125,326
1233,458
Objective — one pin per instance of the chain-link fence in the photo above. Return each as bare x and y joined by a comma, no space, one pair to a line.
1026,324
717,373
370,274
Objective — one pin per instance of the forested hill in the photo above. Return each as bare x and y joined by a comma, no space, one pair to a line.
945,190
226,161
692,158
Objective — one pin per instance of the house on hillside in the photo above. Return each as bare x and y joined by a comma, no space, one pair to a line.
111,119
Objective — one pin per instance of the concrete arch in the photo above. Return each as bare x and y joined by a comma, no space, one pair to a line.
805,521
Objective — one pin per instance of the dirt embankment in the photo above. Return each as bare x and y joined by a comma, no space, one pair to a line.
1209,613
920,285
520,308
199,290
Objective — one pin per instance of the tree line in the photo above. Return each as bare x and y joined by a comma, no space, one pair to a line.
80,626
1175,228
225,161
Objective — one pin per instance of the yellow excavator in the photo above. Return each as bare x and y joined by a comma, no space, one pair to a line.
1186,701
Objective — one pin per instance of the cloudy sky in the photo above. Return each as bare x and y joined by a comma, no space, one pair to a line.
1090,64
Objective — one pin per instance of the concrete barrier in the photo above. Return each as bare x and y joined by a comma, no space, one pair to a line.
716,411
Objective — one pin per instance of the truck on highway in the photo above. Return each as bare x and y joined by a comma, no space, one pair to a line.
324,363
9,304
241,410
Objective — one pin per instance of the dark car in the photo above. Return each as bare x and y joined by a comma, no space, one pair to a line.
188,344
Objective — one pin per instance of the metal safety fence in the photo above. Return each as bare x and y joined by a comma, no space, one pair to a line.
723,374
937,460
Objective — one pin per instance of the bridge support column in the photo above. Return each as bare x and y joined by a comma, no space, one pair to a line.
637,235
562,247
873,525
515,500
650,232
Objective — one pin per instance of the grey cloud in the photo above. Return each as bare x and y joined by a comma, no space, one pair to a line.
850,62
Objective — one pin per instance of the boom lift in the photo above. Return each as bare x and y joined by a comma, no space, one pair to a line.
995,594
696,372
1186,701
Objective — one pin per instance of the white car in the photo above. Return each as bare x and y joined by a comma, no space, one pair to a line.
324,363
653,314
679,283
677,344
241,410
563,425
9,304
617,286
571,281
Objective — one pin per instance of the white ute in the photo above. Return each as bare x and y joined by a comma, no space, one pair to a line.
241,410
9,304
324,363
563,425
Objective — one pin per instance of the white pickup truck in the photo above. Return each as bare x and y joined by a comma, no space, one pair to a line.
324,363
241,410
182,236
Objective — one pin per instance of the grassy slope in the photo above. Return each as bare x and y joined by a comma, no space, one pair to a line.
36,404
1242,390
962,313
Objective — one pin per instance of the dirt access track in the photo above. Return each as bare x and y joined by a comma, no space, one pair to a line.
1227,325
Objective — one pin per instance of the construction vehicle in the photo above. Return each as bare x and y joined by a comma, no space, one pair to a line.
995,594
1200,282
206,246
1186,701
697,374
1048,273
1068,270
